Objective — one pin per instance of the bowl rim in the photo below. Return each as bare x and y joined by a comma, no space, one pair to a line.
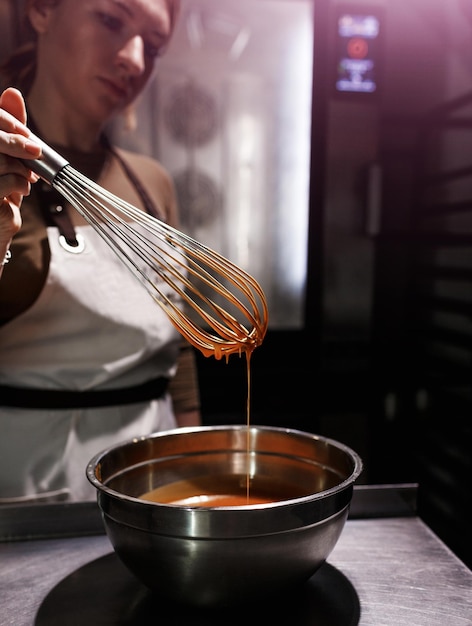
102,488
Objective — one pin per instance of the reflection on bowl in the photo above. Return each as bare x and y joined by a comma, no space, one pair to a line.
285,496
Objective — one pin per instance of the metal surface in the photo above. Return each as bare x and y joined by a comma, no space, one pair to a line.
382,572
75,519
198,555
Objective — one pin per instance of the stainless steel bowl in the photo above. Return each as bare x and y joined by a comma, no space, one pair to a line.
217,556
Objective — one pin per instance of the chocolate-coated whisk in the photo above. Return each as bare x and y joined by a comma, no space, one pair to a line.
215,304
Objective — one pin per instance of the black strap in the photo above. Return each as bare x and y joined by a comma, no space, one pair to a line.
29,398
55,212
148,203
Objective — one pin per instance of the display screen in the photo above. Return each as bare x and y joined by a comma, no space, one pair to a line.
358,52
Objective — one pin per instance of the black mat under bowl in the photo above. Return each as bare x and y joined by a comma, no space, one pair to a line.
104,593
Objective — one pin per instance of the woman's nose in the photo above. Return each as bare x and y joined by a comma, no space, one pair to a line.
132,55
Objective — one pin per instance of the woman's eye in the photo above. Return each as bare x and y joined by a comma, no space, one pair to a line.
153,51
110,21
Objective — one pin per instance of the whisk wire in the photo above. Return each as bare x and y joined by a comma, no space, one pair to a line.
178,262
120,228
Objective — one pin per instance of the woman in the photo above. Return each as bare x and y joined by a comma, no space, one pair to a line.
87,359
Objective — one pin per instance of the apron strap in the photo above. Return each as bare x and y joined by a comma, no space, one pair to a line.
148,203
55,211
30,398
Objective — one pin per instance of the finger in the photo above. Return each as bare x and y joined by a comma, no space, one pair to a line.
14,135
10,216
11,184
16,199
13,165
11,124
18,146
12,101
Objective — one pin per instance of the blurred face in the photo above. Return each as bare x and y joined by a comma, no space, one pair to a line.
98,54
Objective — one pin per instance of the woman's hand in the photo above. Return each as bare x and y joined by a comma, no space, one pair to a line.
15,177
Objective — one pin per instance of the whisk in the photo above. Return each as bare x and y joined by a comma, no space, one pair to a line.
216,305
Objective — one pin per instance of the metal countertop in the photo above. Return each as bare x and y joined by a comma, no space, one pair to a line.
384,571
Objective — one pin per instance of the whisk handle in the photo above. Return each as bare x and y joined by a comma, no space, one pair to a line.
49,164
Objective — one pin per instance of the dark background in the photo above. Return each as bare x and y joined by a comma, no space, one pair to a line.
386,369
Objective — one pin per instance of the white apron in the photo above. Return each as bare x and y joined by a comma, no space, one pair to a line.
93,327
